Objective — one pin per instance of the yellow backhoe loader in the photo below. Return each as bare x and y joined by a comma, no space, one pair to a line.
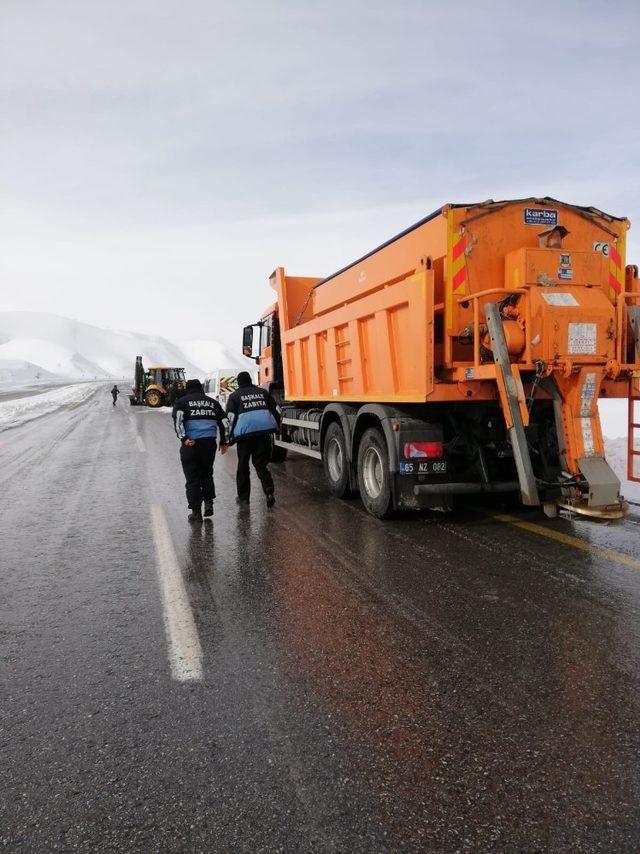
156,386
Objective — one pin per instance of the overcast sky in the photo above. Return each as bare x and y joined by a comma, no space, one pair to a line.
159,159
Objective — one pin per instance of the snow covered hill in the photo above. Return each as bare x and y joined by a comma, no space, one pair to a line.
37,346
21,372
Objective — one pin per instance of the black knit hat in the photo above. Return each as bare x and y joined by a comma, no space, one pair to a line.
194,385
244,378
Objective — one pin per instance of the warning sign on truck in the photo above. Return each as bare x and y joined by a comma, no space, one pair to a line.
583,338
541,216
555,298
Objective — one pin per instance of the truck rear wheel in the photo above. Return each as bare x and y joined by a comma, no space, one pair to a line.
374,477
335,460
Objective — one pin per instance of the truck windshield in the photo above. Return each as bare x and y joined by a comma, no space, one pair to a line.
175,375
265,333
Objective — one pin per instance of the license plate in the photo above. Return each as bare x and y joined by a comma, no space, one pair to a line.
424,467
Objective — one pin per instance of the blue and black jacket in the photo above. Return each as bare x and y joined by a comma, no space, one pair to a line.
253,412
197,416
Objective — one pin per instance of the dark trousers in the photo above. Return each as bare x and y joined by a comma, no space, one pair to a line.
256,449
197,465
115,397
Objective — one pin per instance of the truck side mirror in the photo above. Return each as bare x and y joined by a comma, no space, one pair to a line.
247,341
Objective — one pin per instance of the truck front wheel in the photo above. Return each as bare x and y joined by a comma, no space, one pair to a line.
374,477
336,464
154,399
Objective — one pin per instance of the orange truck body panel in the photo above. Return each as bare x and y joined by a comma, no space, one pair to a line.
405,323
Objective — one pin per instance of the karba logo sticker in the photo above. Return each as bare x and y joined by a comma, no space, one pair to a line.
541,216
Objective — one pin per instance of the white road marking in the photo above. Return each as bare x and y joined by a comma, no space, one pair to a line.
185,652
136,433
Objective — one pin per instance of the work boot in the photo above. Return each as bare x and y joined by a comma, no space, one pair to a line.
271,499
196,514
208,507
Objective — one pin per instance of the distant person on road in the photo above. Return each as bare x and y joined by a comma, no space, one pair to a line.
254,416
199,421
115,391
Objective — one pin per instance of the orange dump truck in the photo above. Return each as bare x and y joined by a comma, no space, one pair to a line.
465,355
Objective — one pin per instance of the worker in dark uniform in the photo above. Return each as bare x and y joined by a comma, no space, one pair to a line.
115,391
199,421
254,416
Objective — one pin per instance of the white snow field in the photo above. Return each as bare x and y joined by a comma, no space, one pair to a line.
22,409
21,372
44,346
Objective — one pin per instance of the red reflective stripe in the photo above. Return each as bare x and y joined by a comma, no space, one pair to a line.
615,257
459,277
458,249
614,283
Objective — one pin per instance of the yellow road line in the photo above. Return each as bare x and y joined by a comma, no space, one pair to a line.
568,540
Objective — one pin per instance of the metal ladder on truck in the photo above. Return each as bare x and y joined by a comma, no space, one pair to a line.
633,448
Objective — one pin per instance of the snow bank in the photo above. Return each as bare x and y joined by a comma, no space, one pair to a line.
15,412
70,349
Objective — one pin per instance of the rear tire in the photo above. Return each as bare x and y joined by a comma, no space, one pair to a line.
374,477
335,461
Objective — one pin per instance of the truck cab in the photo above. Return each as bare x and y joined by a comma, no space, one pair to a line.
261,342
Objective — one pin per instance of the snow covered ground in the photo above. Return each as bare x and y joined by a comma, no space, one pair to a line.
22,409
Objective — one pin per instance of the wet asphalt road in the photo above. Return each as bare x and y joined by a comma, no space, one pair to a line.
456,683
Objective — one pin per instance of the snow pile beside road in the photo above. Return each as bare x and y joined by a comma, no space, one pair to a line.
68,349
15,412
